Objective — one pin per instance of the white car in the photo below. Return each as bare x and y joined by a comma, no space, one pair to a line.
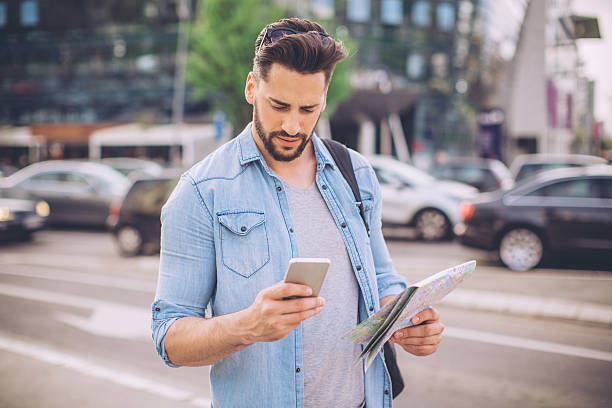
411,197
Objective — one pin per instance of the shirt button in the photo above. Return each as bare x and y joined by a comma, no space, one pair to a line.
387,392
371,308
243,228
157,309
324,187
343,225
358,267
297,370
290,229
279,188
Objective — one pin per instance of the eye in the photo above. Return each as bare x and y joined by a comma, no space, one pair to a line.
307,110
279,108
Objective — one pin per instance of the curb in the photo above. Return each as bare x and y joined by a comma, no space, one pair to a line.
503,302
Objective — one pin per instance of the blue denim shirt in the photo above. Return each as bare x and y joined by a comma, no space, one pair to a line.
227,234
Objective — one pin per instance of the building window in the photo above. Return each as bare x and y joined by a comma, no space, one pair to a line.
2,14
421,13
29,13
358,11
415,66
391,12
323,9
445,16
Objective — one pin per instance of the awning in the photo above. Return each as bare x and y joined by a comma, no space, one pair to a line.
374,105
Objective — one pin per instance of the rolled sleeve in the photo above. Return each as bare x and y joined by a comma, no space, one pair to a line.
164,314
187,269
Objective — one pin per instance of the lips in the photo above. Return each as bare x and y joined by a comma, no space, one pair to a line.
289,140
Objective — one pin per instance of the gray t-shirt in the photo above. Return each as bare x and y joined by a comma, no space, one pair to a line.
331,379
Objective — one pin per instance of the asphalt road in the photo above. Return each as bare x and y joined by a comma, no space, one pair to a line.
61,344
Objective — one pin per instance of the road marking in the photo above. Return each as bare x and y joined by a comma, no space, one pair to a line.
108,319
137,285
119,377
527,344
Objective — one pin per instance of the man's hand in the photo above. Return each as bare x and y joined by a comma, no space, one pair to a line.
424,338
270,318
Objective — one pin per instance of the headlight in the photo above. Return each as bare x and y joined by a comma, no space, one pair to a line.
5,214
43,209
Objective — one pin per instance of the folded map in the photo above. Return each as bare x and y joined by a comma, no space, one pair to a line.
396,314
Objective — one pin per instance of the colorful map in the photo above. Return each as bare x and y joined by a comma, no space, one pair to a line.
378,328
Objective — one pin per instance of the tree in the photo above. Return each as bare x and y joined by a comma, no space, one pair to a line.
222,47
221,55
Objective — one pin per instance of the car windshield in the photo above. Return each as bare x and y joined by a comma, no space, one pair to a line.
404,172
529,170
148,196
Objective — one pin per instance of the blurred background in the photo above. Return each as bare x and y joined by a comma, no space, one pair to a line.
487,123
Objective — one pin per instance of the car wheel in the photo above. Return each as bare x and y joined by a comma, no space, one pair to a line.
432,225
129,240
521,249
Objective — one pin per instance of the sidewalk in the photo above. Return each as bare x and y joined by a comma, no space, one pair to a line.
578,295
529,306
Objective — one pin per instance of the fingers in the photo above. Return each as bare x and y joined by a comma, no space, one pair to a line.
421,351
425,315
300,304
284,290
428,329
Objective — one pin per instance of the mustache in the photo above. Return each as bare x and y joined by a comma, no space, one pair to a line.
283,134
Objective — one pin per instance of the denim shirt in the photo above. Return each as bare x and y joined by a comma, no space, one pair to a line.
227,234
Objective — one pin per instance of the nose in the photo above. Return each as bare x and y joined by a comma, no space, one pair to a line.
291,125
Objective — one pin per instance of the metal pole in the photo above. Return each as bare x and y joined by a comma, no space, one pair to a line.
178,101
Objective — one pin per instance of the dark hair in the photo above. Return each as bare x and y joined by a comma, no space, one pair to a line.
306,52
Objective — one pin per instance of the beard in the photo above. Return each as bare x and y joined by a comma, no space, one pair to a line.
280,153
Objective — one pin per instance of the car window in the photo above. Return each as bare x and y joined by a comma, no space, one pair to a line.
385,176
606,187
73,179
580,188
528,170
148,196
47,176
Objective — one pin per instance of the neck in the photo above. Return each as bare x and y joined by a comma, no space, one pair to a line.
299,172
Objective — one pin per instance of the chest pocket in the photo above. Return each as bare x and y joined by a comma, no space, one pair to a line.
244,241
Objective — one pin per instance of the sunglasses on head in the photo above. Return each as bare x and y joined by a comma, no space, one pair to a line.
274,33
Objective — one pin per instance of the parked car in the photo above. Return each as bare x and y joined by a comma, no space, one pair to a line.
414,198
134,167
526,165
484,174
20,218
138,226
556,211
78,192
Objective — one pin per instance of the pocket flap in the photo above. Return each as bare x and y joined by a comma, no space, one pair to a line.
241,223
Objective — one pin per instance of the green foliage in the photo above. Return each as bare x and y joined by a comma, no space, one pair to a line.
221,54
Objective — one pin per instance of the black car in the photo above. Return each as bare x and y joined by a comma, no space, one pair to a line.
79,193
558,211
137,226
484,174
20,218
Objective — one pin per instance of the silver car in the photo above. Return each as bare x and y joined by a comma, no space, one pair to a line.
412,197
78,192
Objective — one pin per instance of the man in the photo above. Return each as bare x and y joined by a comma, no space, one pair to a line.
235,220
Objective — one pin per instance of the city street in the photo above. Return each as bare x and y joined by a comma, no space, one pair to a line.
74,331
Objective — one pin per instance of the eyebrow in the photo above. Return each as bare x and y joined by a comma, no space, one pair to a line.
276,101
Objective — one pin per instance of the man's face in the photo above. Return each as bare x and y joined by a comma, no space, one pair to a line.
286,109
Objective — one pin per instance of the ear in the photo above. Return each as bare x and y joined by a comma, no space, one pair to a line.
249,88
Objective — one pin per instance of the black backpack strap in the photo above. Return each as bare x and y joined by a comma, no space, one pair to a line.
341,157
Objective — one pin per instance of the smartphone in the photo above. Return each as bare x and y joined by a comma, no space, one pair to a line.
308,271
